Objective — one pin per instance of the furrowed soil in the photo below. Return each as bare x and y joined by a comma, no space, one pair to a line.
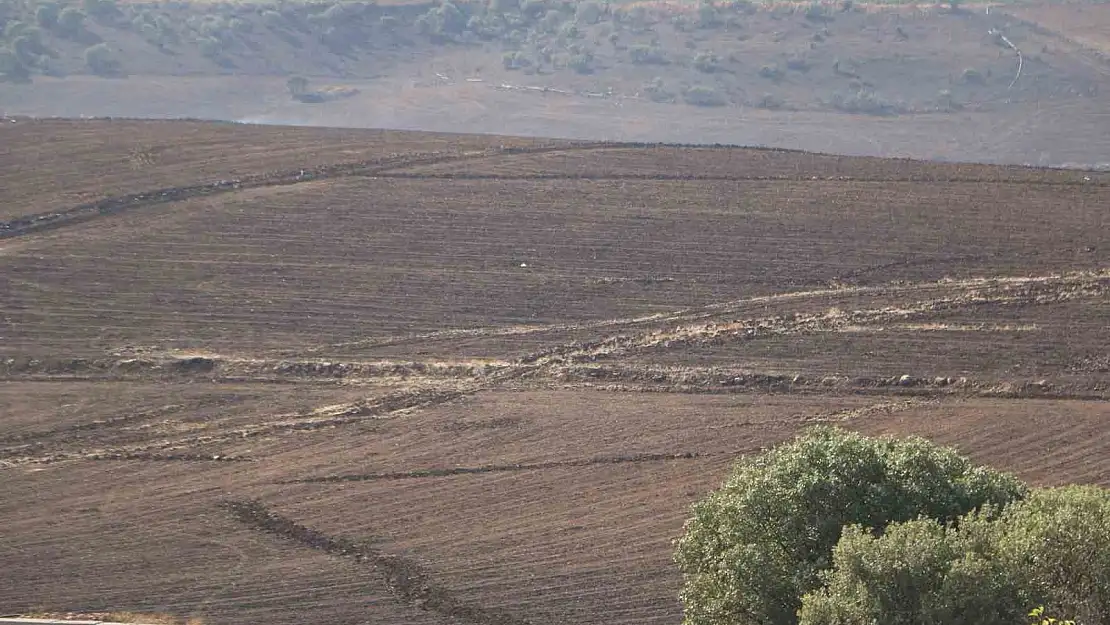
280,375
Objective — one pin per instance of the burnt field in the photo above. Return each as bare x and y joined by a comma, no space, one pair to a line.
278,375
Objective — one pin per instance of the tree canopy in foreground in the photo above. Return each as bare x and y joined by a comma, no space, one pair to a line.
837,528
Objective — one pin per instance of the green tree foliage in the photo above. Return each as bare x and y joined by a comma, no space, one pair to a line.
647,55
444,20
11,68
102,10
588,12
504,6
47,15
699,95
753,548
1061,537
1051,549
707,62
101,61
71,22
918,573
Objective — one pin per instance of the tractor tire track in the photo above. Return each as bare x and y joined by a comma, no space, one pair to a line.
82,213
184,448
407,579
663,177
495,468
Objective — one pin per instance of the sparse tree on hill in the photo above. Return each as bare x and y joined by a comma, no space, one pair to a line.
101,60
504,6
71,22
11,68
588,12
102,10
297,86
47,15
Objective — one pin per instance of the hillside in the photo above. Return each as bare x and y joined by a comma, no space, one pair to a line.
1011,83
287,374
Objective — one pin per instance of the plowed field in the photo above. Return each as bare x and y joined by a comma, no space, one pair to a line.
292,375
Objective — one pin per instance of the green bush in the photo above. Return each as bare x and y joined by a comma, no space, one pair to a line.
703,96
71,22
582,62
647,55
708,16
515,60
1052,550
918,573
707,62
656,90
770,72
11,68
1061,537
588,12
101,61
753,548
972,76
102,10
47,15
504,6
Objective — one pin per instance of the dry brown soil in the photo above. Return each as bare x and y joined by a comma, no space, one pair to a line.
289,375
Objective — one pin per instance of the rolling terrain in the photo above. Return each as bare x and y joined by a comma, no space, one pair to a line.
1011,83
286,374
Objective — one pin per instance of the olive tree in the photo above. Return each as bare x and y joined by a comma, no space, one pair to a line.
919,573
1050,550
754,547
1060,537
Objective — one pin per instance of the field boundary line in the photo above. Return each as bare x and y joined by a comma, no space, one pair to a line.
406,579
82,213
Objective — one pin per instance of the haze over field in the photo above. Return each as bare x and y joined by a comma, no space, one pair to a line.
1008,83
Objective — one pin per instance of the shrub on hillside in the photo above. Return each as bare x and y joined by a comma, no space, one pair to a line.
867,102
71,22
753,548
504,6
515,60
28,49
770,72
101,61
105,11
704,96
11,68
972,76
445,20
656,90
581,62
707,62
47,15
588,12
647,55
